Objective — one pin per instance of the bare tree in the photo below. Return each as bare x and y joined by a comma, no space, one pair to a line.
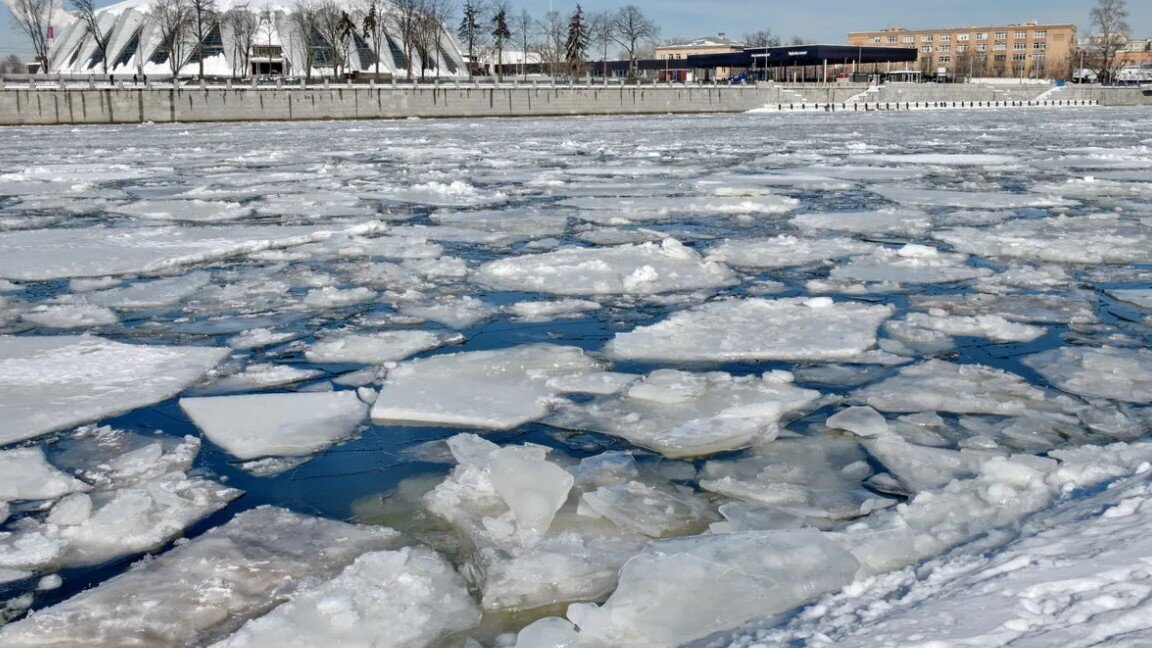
334,29
762,38
430,33
203,17
172,20
86,13
1110,20
552,32
408,17
500,36
796,40
305,19
34,19
243,24
631,30
601,35
523,29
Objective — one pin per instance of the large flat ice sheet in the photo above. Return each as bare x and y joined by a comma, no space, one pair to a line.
51,383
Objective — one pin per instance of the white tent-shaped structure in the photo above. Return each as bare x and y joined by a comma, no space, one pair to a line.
137,45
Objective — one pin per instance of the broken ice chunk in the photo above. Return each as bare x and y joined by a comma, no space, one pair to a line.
50,383
385,599
682,414
884,221
498,389
202,590
1105,372
658,513
152,294
786,251
26,475
687,588
377,348
261,425
1097,238
939,386
861,421
642,269
533,488
757,329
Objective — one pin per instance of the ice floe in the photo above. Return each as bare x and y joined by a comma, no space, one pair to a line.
1105,372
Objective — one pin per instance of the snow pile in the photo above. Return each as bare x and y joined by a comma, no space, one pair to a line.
487,389
630,269
261,425
757,329
51,383
681,414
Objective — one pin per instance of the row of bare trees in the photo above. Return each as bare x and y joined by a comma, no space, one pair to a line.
563,45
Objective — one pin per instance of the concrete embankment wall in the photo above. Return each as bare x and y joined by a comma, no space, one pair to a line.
71,105
136,105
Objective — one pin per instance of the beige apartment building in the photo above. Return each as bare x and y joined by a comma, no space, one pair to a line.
1027,50
675,55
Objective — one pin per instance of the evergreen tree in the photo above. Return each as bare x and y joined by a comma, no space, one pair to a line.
469,32
576,47
500,36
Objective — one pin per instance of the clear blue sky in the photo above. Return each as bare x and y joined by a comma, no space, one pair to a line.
826,21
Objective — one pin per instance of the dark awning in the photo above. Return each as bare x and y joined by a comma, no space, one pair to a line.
760,57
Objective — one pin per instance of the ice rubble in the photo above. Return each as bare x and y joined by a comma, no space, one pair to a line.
547,311
407,598
140,497
51,383
912,263
507,503
1018,593
70,316
202,590
199,211
1105,372
686,588
630,269
940,386
916,329
488,389
261,425
455,312
786,251
1098,238
757,329
938,159
376,348
255,377
682,414
38,255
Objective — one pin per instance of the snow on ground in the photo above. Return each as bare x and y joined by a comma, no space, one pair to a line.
846,379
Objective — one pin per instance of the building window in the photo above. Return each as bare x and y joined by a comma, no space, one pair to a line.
1019,46
945,59
963,37
1001,47
943,48
982,36
961,48
1040,34
891,39
1000,58
1021,34
982,48
1019,57
927,49
1038,58
1001,35
945,38
908,39
1039,45
874,39
926,39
